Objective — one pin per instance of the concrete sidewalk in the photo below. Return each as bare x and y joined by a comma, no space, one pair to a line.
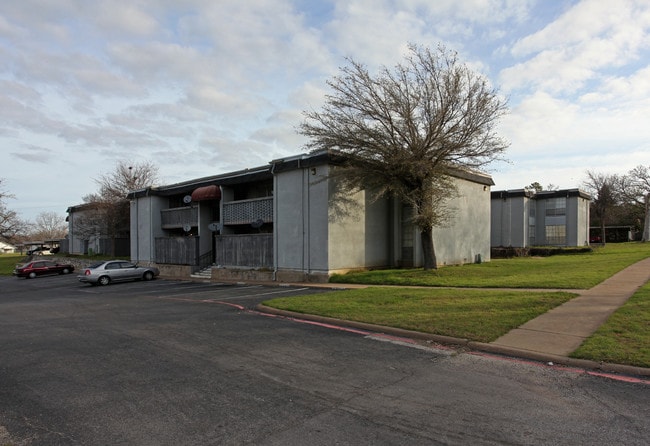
561,330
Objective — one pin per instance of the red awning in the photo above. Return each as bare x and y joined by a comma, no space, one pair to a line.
206,193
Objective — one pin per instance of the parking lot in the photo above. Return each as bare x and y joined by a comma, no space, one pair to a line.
173,362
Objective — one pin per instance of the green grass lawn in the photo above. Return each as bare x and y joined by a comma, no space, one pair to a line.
625,337
8,262
485,314
571,271
479,315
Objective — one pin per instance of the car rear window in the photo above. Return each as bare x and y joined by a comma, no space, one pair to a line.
96,265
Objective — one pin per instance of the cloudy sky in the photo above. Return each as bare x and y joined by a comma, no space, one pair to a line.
201,87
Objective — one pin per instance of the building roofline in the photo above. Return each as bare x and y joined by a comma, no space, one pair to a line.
275,166
237,177
564,193
472,175
513,193
334,157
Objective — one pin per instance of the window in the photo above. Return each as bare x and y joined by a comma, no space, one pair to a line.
555,206
556,235
555,221
532,223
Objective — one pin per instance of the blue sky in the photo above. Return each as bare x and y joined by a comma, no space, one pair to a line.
202,87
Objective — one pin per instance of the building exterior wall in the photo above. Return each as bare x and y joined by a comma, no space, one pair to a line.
578,221
300,213
146,225
316,236
510,223
80,242
466,238
359,236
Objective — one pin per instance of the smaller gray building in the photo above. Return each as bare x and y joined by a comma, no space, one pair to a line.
523,218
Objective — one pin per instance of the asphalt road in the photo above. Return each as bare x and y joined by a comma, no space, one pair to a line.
186,363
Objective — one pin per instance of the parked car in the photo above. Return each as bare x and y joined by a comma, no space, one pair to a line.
39,250
103,273
42,267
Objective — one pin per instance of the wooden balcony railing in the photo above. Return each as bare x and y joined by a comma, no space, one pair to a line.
178,217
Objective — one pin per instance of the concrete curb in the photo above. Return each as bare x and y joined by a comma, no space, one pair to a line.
465,343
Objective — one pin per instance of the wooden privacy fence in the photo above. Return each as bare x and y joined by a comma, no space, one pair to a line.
177,250
248,250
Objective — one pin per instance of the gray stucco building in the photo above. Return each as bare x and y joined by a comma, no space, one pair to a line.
285,222
522,218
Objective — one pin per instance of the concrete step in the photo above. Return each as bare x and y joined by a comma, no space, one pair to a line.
205,273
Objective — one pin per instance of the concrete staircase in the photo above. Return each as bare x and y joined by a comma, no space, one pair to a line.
204,274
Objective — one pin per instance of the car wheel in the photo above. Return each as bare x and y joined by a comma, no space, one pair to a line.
65,271
104,280
31,275
148,275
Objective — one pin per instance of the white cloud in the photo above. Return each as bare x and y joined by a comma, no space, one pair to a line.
202,87
591,36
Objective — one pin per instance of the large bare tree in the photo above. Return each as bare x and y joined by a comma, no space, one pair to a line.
405,131
10,222
604,189
636,189
48,226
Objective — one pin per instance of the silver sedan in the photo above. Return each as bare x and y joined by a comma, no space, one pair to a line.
103,273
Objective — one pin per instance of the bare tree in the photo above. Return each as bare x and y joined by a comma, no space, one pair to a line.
49,226
605,192
127,177
404,131
635,187
10,223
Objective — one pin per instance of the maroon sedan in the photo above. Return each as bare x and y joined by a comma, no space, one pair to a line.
42,267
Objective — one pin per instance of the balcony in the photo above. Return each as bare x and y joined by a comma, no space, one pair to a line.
178,217
247,211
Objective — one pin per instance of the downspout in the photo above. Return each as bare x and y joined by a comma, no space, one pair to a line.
137,230
308,223
302,220
275,226
152,238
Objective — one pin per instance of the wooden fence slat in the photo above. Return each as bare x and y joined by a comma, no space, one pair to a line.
248,250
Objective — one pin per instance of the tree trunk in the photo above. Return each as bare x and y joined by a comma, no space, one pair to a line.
602,232
646,222
428,251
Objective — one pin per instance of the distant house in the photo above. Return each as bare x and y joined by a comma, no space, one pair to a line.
283,221
523,218
7,247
